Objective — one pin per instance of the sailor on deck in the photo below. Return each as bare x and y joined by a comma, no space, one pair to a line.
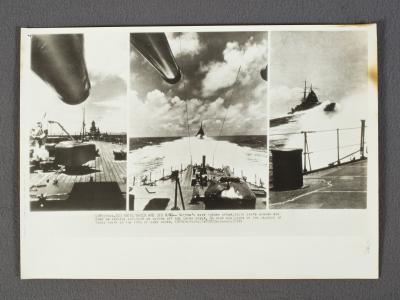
39,136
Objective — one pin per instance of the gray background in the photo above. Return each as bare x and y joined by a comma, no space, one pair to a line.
59,13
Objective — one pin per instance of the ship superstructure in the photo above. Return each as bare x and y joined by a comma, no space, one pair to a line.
308,101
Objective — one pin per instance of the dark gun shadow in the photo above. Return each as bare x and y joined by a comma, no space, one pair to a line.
82,170
86,196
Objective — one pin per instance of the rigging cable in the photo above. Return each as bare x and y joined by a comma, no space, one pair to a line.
186,105
226,114
187,123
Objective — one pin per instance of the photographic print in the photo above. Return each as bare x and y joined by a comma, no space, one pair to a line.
319,119
262,139
77,102
197,136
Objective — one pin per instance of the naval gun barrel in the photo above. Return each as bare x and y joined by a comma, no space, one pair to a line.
58,60
156,50
264,73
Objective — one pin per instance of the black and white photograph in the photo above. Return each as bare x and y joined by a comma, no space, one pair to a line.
77,117
262,139
318,119
198,131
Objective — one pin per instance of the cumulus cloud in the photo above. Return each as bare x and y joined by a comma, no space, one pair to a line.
160,114
187,43
210,62
222,74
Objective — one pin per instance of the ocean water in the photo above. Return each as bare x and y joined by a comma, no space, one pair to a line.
245,155
323,139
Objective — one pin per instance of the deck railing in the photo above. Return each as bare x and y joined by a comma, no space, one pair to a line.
340,145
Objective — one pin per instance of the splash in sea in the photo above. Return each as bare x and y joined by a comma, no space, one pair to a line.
322,137
239,153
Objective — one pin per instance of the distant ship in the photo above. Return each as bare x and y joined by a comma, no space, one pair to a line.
309,101
84,171
200,133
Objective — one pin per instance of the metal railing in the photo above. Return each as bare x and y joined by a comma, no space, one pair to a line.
339,148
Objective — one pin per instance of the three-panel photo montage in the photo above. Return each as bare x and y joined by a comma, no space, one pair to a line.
198,120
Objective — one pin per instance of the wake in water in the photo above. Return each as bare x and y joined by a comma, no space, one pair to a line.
172,155
323,137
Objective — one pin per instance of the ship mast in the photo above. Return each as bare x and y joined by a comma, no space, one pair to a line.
83,123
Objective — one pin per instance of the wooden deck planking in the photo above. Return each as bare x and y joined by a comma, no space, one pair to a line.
101,167
112,170
107,163
121,170
103,164
119,173
121,166
114,173
97,168
117,170
107,170
113,167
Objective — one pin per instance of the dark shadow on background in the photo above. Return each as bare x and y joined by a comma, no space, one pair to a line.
83,170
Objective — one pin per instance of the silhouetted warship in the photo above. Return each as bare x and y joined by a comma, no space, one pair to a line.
200,133
200,186
72,172
309,100
77,172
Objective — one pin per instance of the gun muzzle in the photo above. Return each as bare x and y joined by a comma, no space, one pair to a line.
58,60
155,48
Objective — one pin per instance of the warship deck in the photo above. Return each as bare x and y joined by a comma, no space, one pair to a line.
99,185
344,186
163,192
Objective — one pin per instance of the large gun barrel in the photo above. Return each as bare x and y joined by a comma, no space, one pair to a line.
155,48
58,59
264,73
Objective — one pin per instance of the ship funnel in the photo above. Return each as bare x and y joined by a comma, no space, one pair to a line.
58,60
155,48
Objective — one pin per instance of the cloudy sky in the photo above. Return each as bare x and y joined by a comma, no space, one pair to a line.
106,58
209,63
335,63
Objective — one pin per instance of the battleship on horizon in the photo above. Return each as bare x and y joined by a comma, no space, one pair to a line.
200,133
309,101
